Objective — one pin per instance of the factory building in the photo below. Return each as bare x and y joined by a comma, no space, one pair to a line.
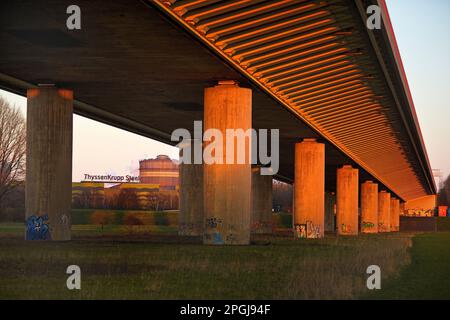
157,188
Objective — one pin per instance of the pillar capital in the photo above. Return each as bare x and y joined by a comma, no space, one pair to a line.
61,92
228,83
309,140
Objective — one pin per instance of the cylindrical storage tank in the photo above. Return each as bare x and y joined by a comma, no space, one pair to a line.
161,170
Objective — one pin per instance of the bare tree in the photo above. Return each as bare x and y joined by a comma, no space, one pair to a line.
12,147
444,193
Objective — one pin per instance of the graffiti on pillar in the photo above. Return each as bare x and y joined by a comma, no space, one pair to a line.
232,234
261,226
64,220
367,225
345,228
37,228
217,238
257,226
231,238
212,230
213,222
312,230
418,212
300,230
381,227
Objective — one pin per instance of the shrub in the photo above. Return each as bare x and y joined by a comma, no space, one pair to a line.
161,219
102,218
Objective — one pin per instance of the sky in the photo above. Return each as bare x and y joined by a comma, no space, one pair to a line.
422,30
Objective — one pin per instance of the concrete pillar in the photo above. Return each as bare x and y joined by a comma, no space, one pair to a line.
330,204
402,208
227,187
309,188
191,219
49,163
395,214
384,211
261,222
369,207
347,200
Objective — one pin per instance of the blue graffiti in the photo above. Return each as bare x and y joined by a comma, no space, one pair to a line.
37,228
217,238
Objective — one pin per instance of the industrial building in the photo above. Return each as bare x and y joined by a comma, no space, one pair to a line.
162,171
157,189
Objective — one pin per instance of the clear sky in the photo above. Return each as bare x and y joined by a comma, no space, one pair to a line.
422,29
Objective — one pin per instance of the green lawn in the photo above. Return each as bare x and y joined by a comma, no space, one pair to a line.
428,275
157,264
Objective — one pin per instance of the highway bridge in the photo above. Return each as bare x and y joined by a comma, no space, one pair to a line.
335,89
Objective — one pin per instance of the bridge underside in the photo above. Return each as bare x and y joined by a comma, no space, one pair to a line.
131,66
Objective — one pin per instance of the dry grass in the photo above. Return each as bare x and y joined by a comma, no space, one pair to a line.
342,274
274,268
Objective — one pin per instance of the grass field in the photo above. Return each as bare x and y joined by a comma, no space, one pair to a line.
428,275
152,262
